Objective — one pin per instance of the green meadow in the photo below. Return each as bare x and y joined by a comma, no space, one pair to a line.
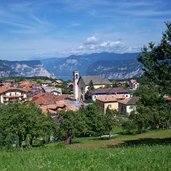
147,151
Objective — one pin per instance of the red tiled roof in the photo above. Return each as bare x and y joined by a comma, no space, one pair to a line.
25,84
167,98
47,98
129,101
5,89
107,99
60,105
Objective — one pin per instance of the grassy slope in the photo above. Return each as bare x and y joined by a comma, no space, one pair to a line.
148,138
148,151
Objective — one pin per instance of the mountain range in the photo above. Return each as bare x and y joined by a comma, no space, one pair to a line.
23,68
108,65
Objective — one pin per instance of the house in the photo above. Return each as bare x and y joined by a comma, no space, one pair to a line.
110,101
36,85
59,82
47,98
117,102
122,83
56,108
25,84
12,94
95,93
167,98
56,91
127,105
8,82
81,84
50,103
34,91
133,84
53,90
46,83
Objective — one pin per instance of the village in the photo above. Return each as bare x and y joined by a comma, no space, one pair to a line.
48,95
85,85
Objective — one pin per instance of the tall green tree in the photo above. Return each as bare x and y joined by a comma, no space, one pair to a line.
90,85
89,121
94,120
110,121
156,60
153,111
20,122
71,124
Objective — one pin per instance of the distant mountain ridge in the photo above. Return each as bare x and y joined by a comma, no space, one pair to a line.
108,65
116,69
23,68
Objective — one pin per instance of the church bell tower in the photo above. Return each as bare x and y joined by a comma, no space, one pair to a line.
75,84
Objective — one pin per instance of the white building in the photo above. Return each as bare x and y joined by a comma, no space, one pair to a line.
114,91
81,84
127,105
133,84
75,84
12,94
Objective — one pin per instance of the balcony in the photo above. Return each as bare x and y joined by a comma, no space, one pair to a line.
13,96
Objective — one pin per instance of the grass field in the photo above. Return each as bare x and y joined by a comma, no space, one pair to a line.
147,151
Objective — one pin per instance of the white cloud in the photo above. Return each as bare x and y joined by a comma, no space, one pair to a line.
111,43
81,47
91,40
94,45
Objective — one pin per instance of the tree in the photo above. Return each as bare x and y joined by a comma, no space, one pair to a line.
94,120
21,122
40,125
110,121
153,112
88,121
71,124
90,85
65,87
156,60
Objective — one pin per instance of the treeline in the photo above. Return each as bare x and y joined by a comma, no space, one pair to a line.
88,121
24,125
18,79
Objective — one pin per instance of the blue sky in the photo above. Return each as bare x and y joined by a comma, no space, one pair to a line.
57,28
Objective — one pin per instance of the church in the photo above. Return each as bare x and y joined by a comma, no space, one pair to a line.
81,84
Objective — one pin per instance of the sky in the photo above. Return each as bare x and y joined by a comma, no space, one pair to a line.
35,29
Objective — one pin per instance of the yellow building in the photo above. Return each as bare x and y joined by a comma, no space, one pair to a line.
109,101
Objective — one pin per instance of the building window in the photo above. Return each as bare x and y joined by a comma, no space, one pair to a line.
127,95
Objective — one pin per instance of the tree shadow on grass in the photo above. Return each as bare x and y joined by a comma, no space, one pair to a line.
143,141
92,139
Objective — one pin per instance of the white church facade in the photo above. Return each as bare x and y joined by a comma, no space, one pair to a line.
81,84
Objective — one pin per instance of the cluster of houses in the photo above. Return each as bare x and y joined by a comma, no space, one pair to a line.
103,92
131,84
49,98
46,95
